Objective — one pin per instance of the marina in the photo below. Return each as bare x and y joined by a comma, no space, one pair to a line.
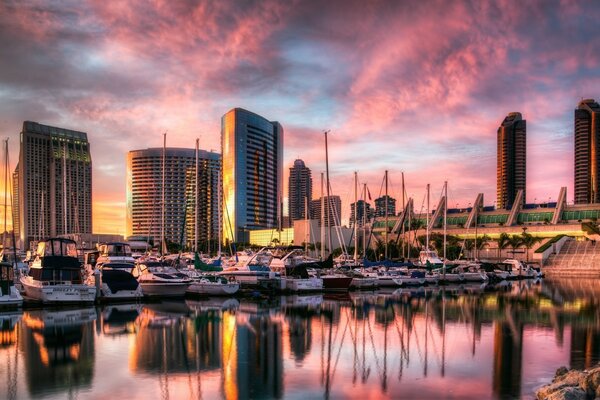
505,340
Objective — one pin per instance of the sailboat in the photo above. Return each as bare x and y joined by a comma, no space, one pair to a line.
9,295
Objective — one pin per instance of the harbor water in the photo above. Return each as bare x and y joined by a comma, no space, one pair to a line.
457,342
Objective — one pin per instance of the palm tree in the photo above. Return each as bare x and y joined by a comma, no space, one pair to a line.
528,241
503,242
515,241
469,245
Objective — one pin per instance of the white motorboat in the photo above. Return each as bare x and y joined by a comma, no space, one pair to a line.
160,279
213,285
116,281
9,295
297,279
472,272
409,278
56,275
518,269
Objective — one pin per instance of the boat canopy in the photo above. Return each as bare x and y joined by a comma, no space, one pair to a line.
57,247
115,249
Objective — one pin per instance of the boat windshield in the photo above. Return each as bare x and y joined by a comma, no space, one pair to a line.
57,247
116,249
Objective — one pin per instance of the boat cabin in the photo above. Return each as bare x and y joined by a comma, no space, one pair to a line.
115,249
56,260
7,277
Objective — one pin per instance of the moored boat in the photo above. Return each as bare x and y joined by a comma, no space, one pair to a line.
158,279
9,295
56,275
213,285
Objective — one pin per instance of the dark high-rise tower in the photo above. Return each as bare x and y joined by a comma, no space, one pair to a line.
511,172
587,155
252,154
299,190
53,183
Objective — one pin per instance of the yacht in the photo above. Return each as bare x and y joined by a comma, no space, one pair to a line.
110,269
9,295
518,269
213,285
160,279
56,275
472,272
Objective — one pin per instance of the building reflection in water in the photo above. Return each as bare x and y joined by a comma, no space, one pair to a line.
58,348
435,342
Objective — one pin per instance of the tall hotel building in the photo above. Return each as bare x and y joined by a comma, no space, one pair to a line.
52,184
144,194
511,170
299,191
333,209
587,154
252,149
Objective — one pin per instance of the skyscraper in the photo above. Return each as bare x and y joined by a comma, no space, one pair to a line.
380,208
53,183
511,169
333,208
252,149
299,190
365,213
587,156
144,194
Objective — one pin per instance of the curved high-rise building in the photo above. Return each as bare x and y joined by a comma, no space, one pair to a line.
299,191
252,149
587,154
144,194
512,155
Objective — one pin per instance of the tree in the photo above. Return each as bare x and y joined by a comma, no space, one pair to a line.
503,242
528,241
515,241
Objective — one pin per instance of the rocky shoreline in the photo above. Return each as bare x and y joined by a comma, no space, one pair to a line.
572,385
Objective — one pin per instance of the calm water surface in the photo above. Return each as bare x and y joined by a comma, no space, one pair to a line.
429,343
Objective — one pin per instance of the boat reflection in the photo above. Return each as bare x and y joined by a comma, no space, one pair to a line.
59,350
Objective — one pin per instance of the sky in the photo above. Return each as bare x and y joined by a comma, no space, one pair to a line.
418,87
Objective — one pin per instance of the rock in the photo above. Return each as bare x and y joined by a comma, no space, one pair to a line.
560,372
568,393
569,379
591,381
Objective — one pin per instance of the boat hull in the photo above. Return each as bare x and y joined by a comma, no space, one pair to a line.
107,294
304,285
213,289
164,289
61,293
336,283
364,283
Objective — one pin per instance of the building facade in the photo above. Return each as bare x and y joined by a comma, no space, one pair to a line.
299,191
587,155
144,195
365,213
252,149
52,184
333,208
380,206
511,160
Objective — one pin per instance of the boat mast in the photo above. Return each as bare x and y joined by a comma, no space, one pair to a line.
322,221
445,222
5,191
162,204
219,227
386,214
355,217
328,193
306,227
427,222
64,188
196,200
404,212
364,225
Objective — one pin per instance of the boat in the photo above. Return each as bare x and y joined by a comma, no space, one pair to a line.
9,295
518,269
115,281
160,279
409,278
213,285
336,282
297,279
472,272
56,275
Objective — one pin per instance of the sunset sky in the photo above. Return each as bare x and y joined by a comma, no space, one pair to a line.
413,86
